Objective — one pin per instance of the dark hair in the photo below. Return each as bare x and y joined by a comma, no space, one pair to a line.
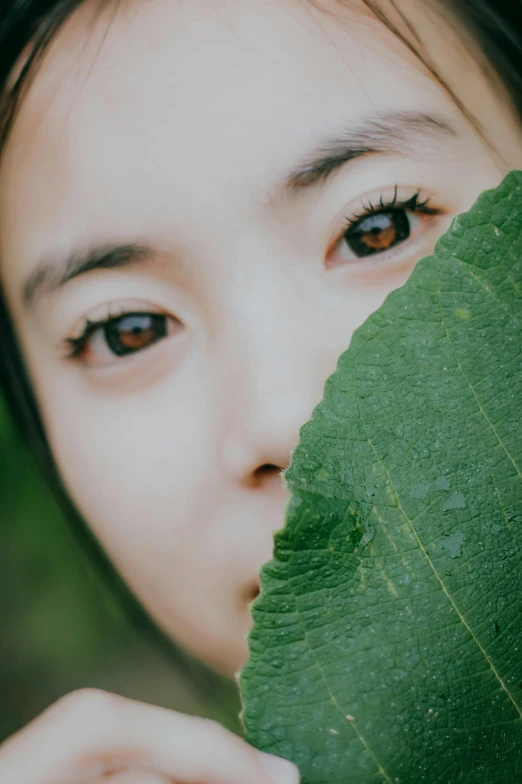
26,28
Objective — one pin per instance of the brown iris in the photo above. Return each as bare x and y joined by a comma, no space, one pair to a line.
134,331
378,232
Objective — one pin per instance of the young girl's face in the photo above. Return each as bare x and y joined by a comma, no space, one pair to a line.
249,180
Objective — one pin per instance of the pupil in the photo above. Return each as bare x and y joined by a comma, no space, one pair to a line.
134,331
378,232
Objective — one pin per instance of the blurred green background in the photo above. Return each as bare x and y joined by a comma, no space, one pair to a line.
61,629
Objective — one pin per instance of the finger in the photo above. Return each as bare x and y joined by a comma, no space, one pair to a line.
90,733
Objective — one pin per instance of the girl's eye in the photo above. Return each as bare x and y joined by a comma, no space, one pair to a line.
103,341
381,229
134,332
378,232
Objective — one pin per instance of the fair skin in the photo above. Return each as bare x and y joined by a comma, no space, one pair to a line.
174,127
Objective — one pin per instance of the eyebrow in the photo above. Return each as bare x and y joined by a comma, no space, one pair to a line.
388,132
51,276
385,132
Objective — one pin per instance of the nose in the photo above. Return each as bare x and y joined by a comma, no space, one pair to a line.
276,373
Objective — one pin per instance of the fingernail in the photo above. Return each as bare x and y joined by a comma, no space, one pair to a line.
280,770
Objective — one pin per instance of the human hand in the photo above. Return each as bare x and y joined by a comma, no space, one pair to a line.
95,737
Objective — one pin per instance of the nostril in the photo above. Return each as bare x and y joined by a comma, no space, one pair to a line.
268,468
264,472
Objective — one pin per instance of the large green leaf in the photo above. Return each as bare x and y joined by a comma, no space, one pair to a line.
387,638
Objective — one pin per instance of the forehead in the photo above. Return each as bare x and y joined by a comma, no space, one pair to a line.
192,105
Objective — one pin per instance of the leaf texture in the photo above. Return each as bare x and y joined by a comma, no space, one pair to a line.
387,637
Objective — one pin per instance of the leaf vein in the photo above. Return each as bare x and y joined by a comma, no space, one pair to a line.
333,698
435,572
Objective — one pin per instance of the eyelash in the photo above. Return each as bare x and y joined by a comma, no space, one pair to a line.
414,204
76,346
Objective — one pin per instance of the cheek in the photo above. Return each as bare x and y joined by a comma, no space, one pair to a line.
355,298
134,468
